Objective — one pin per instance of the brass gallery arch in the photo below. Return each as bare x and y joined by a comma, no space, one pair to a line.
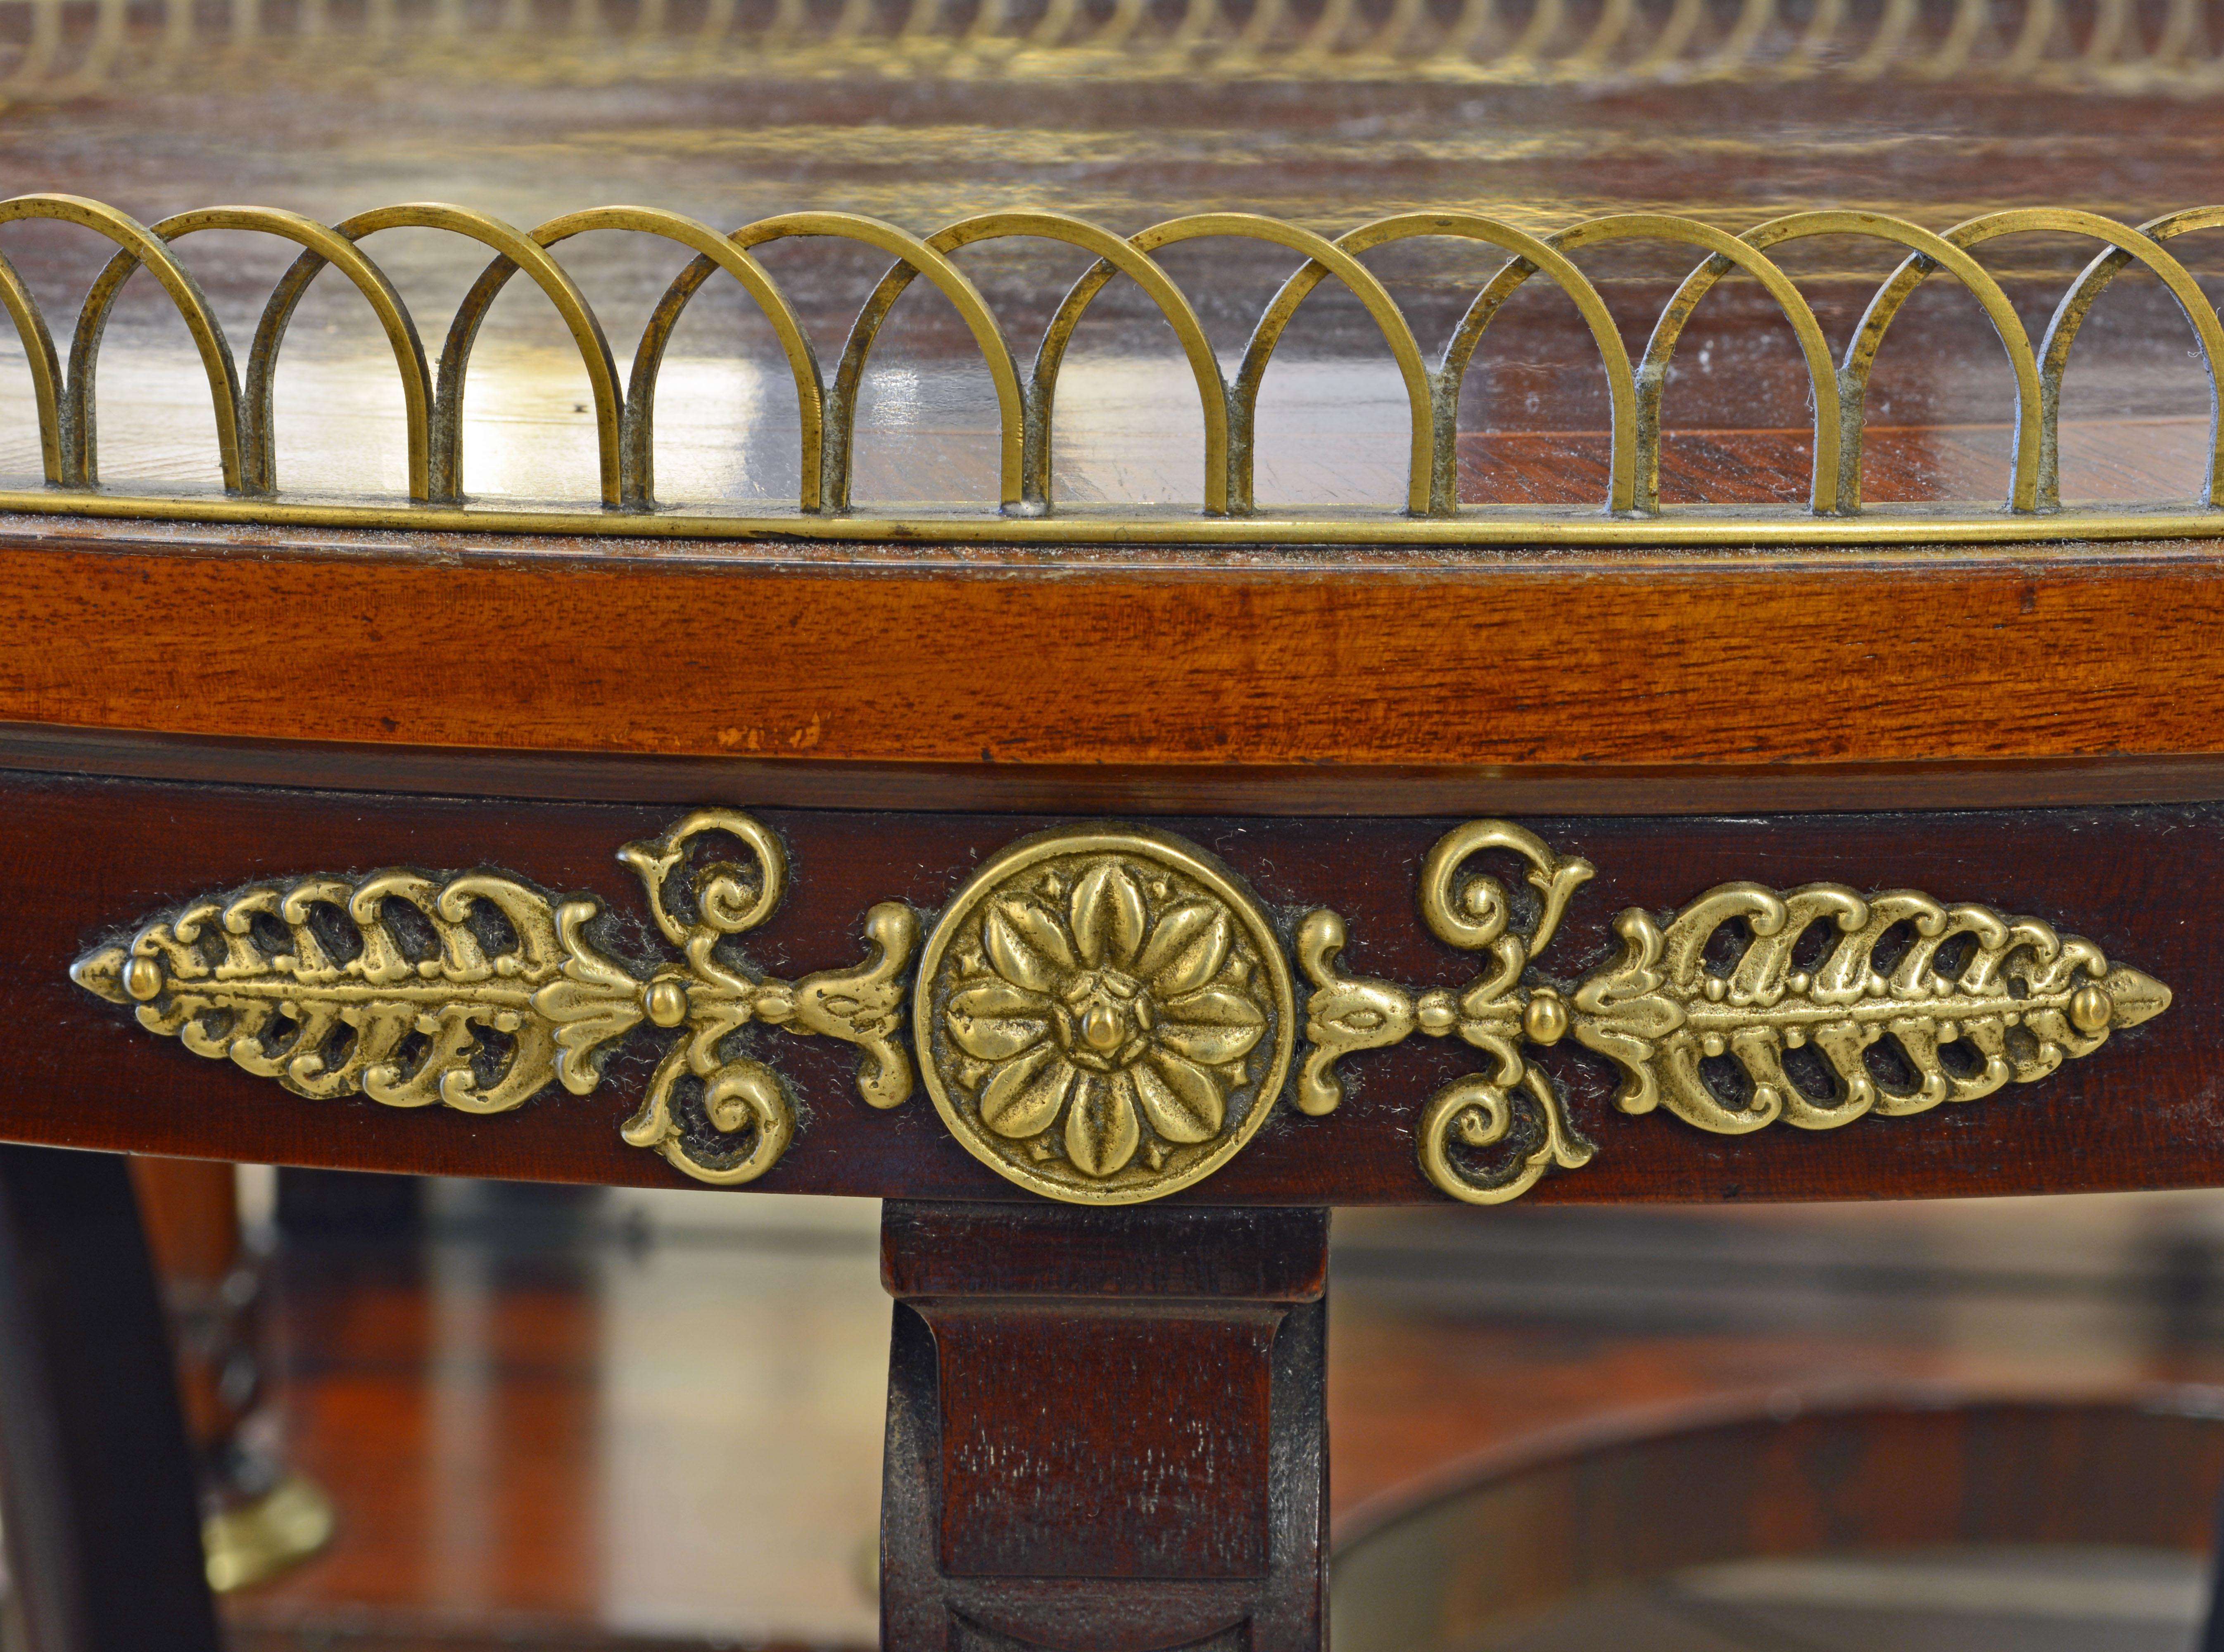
623,499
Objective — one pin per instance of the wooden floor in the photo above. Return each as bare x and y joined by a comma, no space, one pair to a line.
566,1417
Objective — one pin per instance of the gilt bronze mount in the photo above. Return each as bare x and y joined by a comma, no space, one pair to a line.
1746,1008
1105,1014
479,991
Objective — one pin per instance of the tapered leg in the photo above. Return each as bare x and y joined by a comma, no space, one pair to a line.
1106,1431
103,1521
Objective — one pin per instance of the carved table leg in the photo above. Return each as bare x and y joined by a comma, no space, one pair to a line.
103,1521
1105,1429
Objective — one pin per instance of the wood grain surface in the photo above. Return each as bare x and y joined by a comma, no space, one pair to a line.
1105,1447
1328,660
86,861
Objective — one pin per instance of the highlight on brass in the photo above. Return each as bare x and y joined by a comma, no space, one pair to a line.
1812,1007
1024,509
68,48
479,991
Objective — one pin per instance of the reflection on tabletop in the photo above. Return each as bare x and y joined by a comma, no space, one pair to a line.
660,1414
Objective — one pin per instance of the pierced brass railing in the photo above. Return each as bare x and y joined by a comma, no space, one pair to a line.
1024,509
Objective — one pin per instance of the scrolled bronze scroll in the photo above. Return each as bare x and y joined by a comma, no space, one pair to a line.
1778,1026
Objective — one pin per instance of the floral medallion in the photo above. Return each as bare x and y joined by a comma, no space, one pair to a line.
1105,1016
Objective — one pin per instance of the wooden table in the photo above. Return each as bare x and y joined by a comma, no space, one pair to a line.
1111,886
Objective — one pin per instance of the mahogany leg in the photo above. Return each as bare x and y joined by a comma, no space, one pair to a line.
97,1490
1106,1429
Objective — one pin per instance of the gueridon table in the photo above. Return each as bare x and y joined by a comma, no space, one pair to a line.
1386,634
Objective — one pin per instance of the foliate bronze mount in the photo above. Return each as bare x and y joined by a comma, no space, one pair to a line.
1778,1023
478,993
1105,1015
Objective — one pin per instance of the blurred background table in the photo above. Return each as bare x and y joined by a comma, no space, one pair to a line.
530,1410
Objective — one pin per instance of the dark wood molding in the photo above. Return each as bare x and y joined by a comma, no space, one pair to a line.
1166,788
